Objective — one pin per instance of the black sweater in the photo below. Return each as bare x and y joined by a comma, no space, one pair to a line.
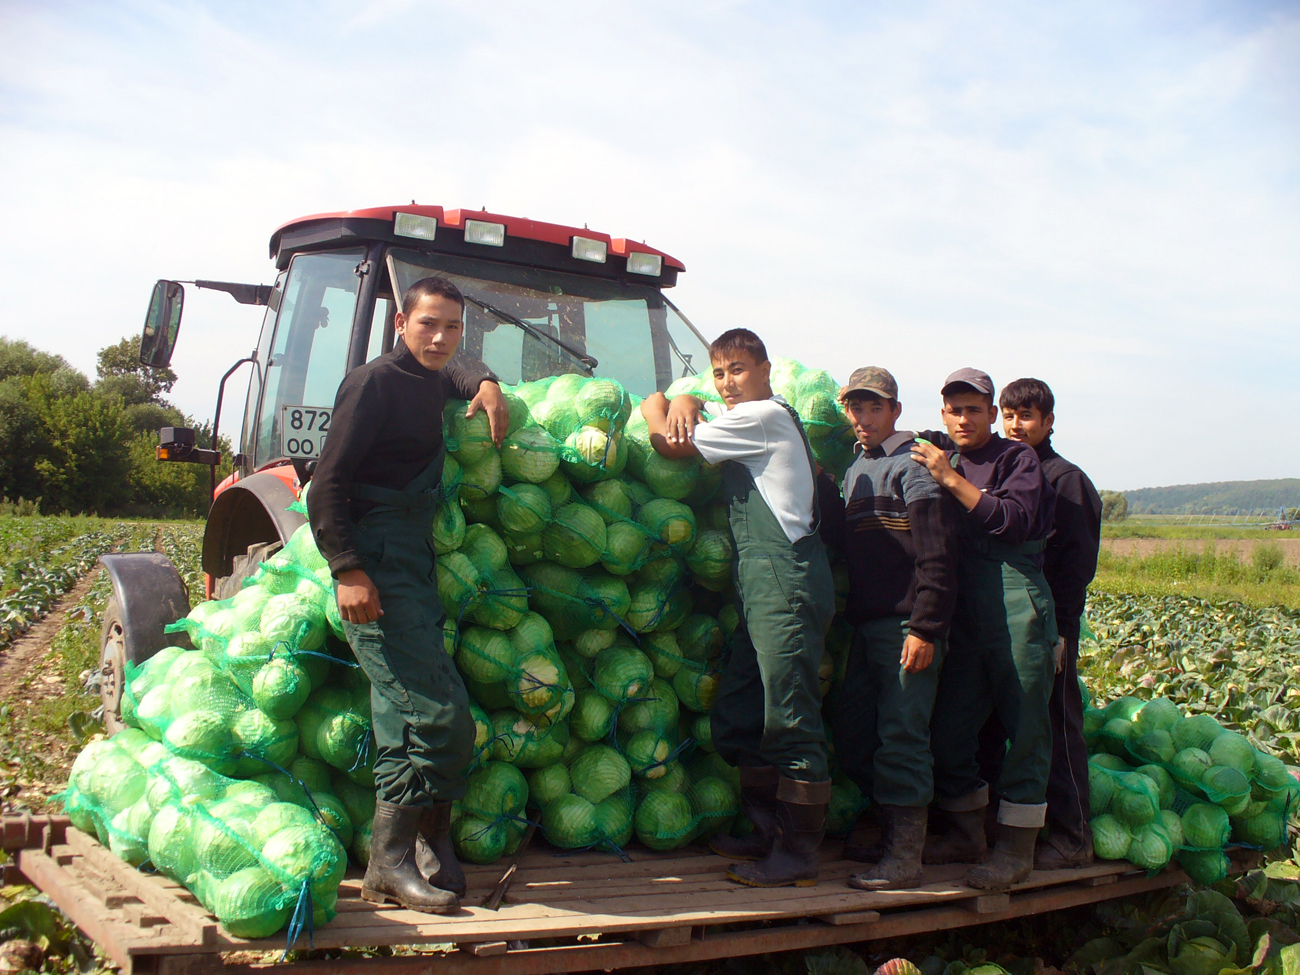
900,540
1070,561
387,428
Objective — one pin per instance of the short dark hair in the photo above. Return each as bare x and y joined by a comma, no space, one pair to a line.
1026,393
735,341
426,288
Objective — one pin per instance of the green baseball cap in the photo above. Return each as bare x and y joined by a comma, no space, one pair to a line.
871,379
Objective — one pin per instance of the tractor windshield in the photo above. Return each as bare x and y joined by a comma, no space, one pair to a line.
528,323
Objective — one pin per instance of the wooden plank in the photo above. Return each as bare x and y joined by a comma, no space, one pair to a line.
989,903
1097,881
194,921
92,918
849,917
486,949
625,954
664,937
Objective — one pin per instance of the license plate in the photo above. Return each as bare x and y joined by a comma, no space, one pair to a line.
303,430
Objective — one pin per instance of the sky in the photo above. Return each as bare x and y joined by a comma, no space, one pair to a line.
1104,195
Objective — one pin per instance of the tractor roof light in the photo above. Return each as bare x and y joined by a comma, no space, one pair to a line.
415,225
588,249
639,262
483,232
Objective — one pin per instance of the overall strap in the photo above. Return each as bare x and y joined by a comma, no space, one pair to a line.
420,495
812,464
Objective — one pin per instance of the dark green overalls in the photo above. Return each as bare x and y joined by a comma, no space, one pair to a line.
768,708
999,659
424,733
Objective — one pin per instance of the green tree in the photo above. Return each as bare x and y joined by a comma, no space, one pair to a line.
17,358
87,463
23,441
1114,506
120,373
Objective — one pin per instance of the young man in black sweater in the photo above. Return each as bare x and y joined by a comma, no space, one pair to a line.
1069,563
900,541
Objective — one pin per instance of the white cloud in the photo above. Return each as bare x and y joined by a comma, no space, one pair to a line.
1099,194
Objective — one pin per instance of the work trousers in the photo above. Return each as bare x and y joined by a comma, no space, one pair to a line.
882,716
1067,783
999,662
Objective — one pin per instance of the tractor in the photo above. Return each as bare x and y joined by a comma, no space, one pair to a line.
540,300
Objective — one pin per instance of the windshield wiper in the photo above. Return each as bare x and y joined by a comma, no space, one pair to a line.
589,362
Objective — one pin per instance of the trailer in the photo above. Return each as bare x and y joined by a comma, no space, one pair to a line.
561,911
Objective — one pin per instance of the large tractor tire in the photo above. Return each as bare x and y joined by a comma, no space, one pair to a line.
243,566
148,593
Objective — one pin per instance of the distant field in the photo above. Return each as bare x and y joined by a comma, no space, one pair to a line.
1254,572
1142,528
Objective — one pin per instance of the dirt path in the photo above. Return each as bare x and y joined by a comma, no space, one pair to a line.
1242,547
30,649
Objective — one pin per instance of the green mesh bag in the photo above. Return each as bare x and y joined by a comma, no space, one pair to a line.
575,536
669,522
468,439
574,601
665,820
530,456
711,558
656,710
217,836
448,530
524,509
527,742
489,819
482,479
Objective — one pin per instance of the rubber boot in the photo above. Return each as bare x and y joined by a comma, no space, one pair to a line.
393,874
435,855
963,843
900,868
1011,861
862,846
758,802
793,860
1061,851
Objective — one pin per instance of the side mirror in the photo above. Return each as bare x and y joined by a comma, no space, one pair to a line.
161,324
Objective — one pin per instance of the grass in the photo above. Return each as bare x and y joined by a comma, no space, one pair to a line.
1263,580
1129,529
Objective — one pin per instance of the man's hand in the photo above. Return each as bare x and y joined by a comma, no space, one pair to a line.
1058,654
358,597
917,654
936,462
493,401
656,409
683,415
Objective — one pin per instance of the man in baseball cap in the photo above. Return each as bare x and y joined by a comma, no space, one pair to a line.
900,542
1002,638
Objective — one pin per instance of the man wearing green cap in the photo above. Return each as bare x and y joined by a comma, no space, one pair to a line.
900,542
1002,639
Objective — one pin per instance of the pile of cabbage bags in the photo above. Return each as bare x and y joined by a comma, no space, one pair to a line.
1164,786
588,595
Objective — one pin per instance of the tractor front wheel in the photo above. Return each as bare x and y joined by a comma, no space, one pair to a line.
112,666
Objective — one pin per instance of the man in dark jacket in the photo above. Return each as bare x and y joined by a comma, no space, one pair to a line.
1069,563
1003,632
900,542
371,509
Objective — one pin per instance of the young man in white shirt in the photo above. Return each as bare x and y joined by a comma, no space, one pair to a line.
767,718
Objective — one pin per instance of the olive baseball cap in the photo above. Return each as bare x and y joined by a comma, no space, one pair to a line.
975,378
871,379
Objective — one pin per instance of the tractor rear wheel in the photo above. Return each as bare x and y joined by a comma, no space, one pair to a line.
243,566
112,666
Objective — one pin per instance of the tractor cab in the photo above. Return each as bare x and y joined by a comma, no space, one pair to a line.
540,300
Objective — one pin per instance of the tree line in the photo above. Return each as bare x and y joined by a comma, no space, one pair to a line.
70,444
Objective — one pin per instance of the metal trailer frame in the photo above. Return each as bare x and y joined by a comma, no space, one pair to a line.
591,911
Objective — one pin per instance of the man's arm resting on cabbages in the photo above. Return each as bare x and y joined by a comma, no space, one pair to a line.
671,424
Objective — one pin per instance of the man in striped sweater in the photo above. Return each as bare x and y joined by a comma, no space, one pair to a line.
900,541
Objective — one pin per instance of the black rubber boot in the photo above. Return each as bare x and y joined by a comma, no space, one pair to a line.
1011,861
758,802
865,843
793,860
900,868
963,843
393,874
435,855
1061,851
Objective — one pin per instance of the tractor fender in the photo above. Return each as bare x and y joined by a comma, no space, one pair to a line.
250,511
148,594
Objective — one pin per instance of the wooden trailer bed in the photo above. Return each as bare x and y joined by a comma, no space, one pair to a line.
593,911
